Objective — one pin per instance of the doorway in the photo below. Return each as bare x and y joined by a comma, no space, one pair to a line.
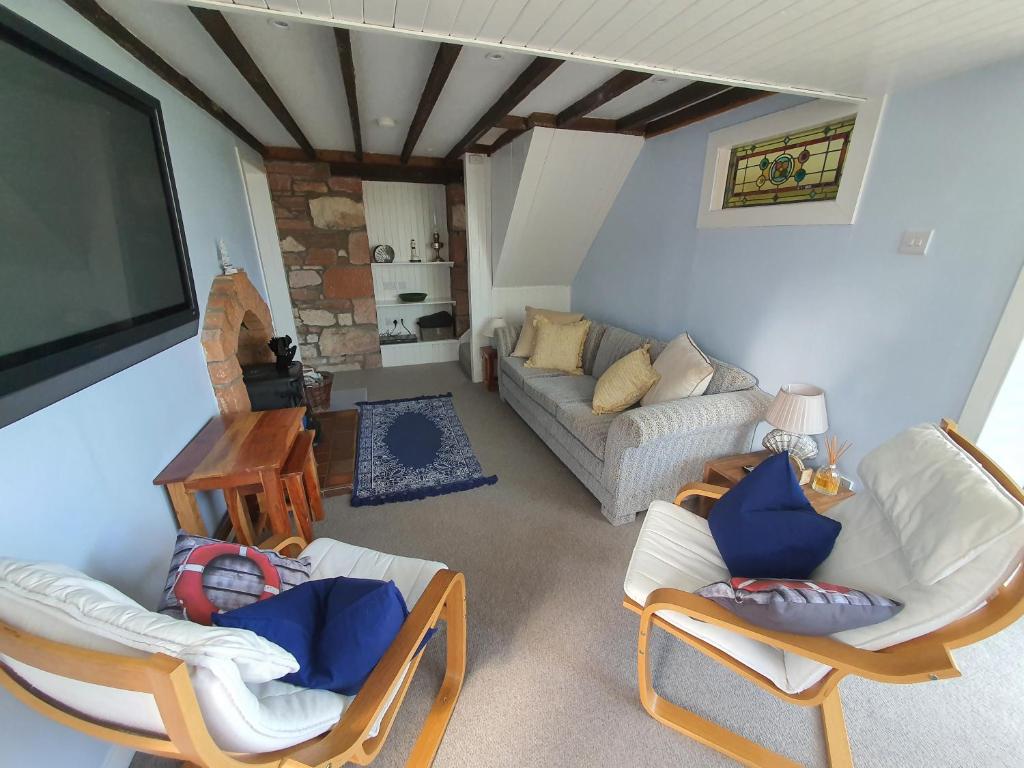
994,413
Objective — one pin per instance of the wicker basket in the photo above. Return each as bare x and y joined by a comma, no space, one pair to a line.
318,396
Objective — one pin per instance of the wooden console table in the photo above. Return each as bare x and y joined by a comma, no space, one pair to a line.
231,452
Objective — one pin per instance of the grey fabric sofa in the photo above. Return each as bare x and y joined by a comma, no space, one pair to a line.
629,459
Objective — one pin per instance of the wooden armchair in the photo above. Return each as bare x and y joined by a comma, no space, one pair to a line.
918,659
356,738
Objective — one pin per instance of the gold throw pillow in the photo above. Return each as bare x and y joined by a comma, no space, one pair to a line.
559,347
625,382
524,347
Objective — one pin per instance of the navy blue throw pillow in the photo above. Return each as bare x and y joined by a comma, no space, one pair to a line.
337,629
766,528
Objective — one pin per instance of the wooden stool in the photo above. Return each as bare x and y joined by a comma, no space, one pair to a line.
299,482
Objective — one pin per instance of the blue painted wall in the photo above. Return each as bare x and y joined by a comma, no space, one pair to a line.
77,476
894,340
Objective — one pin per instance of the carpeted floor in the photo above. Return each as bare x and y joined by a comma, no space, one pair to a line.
551,679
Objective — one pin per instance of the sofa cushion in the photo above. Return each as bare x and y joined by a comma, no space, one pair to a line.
728,378
551,392
528,336
338,629
559,346
801,607
588,427
685,372
615,344
592,344
765,527
921,479
625,382
515,368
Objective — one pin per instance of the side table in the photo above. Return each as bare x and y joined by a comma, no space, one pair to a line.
231,452
728,470
490,358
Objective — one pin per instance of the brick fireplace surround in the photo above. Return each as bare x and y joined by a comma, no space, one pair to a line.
236,329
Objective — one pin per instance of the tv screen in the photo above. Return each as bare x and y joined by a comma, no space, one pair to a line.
93,263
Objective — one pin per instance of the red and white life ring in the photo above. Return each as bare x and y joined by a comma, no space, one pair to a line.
188,589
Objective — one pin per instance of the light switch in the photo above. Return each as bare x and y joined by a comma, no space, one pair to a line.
915,243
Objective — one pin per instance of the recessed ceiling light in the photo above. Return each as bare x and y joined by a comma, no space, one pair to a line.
279,23
386,122
494,56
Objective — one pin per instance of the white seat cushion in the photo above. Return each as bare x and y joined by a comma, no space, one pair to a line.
241,716
922,480
676,549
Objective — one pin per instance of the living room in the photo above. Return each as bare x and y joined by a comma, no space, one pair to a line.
491,307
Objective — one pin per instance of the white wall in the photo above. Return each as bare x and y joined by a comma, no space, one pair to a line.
78,475
510,303
567,184
397,212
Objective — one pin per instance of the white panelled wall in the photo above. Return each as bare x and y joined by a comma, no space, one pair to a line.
397,212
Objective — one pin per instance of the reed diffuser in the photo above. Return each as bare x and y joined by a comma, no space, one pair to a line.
826,478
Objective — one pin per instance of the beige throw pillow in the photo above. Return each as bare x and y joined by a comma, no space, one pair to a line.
685,372
559,347
625,382
524,347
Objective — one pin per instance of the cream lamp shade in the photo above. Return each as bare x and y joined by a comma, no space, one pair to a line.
491,327
799,409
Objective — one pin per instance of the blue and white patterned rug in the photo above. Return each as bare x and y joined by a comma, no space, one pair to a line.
410,449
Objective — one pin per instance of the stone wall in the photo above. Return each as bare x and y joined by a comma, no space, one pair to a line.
322,226
456,201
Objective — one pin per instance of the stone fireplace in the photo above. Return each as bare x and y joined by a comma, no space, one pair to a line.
236,329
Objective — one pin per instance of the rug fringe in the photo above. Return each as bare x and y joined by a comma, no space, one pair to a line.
423,493
404,399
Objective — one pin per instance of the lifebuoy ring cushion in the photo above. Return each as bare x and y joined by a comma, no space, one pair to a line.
188,587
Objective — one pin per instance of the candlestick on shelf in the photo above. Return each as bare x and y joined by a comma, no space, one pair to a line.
412,250
436,246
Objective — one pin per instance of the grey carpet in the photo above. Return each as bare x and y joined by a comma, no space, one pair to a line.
552,654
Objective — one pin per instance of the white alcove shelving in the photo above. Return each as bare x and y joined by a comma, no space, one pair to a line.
396,213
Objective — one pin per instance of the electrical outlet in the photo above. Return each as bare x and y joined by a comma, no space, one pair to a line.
915,243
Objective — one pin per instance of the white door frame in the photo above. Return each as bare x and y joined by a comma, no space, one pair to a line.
477,173
1007,340
268,247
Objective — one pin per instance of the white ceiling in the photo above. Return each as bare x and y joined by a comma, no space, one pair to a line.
833,48
839,48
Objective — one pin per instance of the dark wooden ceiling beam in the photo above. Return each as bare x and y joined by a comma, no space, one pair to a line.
715,105
447,55
536,73
220,31
512,123
608,90
418,174
112,28
343,41
506,138
675,101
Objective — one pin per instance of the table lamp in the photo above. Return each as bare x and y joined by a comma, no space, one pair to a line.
797,412
491,327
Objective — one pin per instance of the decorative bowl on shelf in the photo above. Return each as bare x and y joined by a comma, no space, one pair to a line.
411,297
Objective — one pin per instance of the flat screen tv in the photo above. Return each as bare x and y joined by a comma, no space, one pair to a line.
94,272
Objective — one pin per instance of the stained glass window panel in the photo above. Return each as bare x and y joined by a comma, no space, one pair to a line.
798,167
